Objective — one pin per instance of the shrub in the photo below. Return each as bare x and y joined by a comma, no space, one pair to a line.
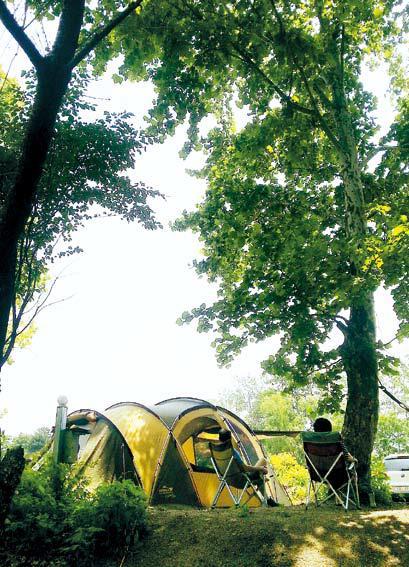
37,518
380,481
109,521
54,518
292,475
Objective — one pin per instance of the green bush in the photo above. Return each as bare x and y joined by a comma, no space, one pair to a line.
292,475
54,518
380,482
108,521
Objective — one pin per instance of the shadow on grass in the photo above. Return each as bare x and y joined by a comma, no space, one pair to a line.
279,537
373,539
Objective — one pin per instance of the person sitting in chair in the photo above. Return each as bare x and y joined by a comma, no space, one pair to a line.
256,472
322,425
260,468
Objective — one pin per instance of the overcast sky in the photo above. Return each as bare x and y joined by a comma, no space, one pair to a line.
116,338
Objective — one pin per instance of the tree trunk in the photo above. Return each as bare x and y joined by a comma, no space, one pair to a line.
53,76
52,85
11,469
358,351
360,362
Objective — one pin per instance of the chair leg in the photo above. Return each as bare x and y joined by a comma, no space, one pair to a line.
255,491
264,494
235,499
217,495
356,492
243,492
315,495
347,498
308,494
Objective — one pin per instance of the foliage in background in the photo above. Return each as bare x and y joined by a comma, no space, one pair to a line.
392,435
393,426
31,443
293,475
380,482
265,407
54,517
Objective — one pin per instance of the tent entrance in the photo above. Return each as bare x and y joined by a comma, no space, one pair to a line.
195,446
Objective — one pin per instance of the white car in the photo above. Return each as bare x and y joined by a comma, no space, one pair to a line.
397,468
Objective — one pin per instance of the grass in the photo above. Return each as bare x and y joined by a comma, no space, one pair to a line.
327,537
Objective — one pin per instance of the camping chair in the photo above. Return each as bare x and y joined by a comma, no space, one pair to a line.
231,474
328,467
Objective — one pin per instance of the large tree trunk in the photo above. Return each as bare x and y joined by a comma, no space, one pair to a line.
360,362
358,351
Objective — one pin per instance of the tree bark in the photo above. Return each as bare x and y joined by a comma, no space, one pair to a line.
360,362
358,351
11,469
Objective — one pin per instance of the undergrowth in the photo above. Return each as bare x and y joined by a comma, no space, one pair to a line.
55,520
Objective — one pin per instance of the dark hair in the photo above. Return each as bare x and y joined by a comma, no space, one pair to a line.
224,435
321,424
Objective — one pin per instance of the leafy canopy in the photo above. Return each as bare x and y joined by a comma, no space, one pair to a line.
275,220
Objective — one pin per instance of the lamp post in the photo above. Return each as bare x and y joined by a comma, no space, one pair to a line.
60,425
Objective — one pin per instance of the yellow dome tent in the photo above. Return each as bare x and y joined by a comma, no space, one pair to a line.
163,448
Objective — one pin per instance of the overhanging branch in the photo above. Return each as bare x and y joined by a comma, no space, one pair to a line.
102,34
20,36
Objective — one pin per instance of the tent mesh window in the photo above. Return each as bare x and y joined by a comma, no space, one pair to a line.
202,454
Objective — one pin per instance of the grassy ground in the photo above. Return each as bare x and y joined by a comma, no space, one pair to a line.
327,537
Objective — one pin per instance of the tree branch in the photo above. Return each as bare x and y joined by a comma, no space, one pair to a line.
325,101
39,307
320,118
278,17
20,36
383,345
342,324
342,52
392,397
315,110
243,56
325,367
102,33
374,152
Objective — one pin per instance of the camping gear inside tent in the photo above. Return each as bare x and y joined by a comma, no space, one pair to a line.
163,448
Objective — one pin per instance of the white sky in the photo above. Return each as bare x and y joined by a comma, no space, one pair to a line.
116,339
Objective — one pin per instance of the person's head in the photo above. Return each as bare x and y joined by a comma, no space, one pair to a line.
321,424
224,435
